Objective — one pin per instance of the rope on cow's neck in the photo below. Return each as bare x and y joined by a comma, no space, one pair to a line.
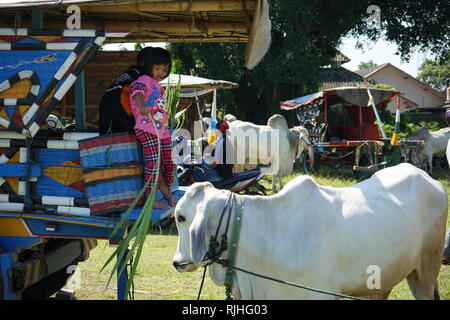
203,281
229,263
214,244
297,285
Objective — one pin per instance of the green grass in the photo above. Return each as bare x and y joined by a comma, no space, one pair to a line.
157,279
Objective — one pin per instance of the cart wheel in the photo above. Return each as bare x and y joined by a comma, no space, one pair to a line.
309,161
363,175
336,163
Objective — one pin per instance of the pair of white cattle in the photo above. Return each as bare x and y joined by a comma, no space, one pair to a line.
333,239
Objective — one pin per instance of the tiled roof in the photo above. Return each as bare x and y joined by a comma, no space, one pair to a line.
339,77
365,72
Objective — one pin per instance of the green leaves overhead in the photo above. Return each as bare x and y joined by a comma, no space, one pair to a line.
435,73
305,38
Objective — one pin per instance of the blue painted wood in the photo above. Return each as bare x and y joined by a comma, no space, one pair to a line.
68,227
19,170
121,279
14,244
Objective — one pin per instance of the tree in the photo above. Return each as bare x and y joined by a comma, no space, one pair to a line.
305,35
414,25
365,65
435,73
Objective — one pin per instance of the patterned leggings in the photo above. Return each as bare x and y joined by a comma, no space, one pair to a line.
150,150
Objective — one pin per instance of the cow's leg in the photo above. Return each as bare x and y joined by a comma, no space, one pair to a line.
274,186
430,166
423,280
281,182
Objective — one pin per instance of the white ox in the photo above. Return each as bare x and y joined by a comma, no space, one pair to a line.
448,153
435,145
274,144
360,241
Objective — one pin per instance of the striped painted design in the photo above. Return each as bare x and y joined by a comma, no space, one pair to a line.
94,177
114,203
64,33
46,200
32,272
98,37
38,46
66,136
88,244
110,185
34,90
41,143
117,150
62,210
62,90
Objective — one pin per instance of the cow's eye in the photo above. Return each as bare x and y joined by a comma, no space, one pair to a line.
181,218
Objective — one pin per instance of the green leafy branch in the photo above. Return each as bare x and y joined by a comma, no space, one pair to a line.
172,95
138,231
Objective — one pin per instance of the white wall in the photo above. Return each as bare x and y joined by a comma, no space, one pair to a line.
405,105
420,94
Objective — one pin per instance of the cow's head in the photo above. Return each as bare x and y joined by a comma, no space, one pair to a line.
197,216
423,133
302,137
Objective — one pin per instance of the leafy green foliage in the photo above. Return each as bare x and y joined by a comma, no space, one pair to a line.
435,73
172,95
412,24
365,65
133,242
407,129
305,35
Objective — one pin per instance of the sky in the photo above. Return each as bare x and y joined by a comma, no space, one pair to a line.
379,52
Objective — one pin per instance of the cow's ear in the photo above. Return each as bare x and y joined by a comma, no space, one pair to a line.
197,188
197,232
303,136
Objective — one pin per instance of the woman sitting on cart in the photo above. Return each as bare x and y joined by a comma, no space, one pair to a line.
220,167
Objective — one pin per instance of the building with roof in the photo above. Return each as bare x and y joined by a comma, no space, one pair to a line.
416,95
334,75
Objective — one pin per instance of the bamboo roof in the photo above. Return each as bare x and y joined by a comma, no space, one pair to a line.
157,20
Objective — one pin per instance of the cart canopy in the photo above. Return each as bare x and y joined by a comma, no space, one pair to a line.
353,95
192,86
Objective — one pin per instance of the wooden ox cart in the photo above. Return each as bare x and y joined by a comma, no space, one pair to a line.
47,223
344,131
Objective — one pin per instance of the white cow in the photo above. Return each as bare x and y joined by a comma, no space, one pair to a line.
274,144
435,145
360,240
229,118
448,153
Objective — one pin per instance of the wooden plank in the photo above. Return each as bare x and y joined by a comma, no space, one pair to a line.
174,6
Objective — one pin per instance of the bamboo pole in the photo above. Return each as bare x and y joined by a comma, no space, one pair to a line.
184,6
178,39
177,27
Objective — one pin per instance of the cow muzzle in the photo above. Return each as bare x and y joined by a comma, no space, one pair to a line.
185,266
